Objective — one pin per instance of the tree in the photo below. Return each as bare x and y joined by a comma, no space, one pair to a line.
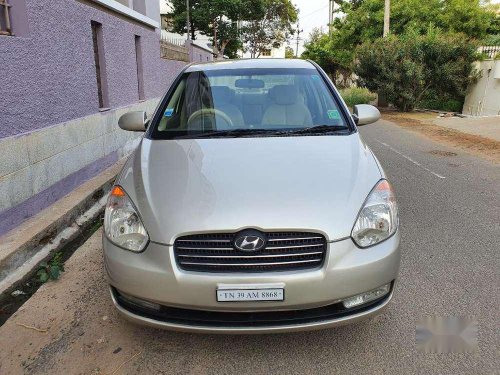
178,15
361,21
289,54
269,29
218,19
318,48
336,62
405,68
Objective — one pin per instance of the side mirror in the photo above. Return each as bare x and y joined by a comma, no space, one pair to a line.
365,114
134,121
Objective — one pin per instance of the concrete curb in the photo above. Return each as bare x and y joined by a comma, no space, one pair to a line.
23,248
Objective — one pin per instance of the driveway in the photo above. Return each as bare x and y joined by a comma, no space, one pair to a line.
450,209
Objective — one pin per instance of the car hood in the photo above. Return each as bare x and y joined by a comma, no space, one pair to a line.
307,183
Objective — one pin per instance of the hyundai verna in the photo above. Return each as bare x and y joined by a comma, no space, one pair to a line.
251,205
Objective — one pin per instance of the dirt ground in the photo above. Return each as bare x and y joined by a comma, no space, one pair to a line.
53,333
422,123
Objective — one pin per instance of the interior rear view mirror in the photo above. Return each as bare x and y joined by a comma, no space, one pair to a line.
249,83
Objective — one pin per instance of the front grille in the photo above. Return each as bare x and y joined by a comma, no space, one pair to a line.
215,252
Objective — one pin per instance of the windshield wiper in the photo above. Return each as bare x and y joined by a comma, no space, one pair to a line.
226,133
318,129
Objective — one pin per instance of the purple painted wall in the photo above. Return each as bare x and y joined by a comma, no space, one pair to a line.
11,218
198,54
48,76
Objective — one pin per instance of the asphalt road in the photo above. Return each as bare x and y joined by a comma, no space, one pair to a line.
450,220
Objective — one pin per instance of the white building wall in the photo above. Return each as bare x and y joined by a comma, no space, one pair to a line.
483,98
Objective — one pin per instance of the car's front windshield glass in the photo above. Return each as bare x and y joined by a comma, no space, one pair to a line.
248,102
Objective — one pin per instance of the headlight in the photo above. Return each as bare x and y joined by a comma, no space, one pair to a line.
378,219
122,224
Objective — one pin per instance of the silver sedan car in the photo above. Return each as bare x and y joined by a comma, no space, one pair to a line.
251,205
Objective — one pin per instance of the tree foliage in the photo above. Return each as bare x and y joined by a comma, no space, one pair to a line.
405,68
289,53
361,21
271,28
260,24
336,62
217,19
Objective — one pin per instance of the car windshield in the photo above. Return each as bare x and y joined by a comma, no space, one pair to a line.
249,102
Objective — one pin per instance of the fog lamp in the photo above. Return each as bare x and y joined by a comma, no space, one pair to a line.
365,297
140,302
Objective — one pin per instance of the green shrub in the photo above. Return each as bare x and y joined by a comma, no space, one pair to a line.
448,105
441,102
404,68
357,95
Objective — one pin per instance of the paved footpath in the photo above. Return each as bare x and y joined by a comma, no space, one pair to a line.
450,209
488,127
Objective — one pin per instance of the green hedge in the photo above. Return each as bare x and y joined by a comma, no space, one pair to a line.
441,102
357,95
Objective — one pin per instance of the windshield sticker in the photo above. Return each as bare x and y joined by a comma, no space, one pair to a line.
333,114
169,112
315,78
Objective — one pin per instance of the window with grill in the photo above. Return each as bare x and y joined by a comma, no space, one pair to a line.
5,24
139,67
13,18
100,66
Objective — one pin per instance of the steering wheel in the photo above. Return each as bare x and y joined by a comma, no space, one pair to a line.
218,114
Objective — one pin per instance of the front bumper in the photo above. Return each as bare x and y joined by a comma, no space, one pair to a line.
347,271
247,323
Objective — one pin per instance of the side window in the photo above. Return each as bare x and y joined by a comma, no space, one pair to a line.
329,113
173,116
186,108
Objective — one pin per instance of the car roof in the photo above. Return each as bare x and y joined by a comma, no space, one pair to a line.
251,64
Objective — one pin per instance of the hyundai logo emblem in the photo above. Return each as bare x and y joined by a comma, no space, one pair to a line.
249,241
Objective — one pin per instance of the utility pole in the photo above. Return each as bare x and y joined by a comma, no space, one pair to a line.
387,17
188,27
331,9
298,39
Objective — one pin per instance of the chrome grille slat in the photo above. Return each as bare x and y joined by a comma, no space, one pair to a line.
252,264
249,256
210,241
268,248
197,248
295,239
214,252
293,246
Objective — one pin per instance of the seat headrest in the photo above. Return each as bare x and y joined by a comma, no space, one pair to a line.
222,94
284,94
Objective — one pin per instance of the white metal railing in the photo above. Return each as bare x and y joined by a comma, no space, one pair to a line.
175,41
489,51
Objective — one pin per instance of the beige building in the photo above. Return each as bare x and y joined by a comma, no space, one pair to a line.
483,98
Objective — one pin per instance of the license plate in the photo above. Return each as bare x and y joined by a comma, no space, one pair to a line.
241,295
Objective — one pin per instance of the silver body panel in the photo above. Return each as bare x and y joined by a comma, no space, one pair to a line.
190,186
